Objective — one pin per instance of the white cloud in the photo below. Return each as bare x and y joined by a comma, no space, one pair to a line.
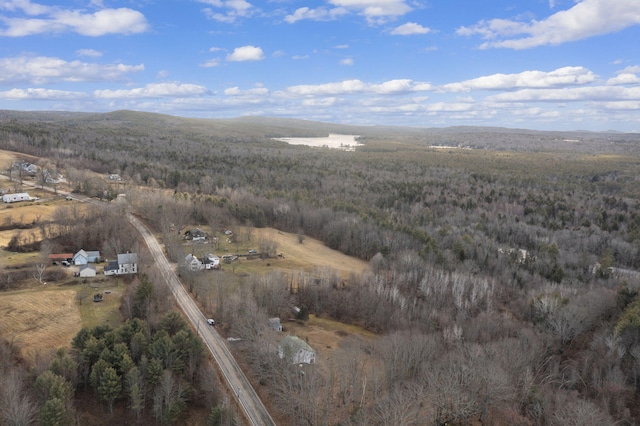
320,102
25,6
586,19
88,52
45,69
571,94
154,90
40,94
231,10
356,86
634,69
410,28
347,62
375,11
211,63
624,78
528,79
56,20
318,14
246,53
257,91
623,105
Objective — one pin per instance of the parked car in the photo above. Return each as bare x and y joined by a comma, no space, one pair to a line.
253,251
65,263
211,321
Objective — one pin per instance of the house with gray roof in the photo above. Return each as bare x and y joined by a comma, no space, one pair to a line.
296,350
127,263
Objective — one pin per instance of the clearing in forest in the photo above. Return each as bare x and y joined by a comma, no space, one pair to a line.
39,320
310,255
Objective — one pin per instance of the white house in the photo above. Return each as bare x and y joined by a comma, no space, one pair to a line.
193,263
16,197
127,263
297,350
80,258
83,257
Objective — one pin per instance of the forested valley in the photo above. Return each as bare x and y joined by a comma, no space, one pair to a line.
504,264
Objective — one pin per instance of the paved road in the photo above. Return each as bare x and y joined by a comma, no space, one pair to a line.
237,381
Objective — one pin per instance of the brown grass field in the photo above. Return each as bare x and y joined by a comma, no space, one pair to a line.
39,319
45,318
309,256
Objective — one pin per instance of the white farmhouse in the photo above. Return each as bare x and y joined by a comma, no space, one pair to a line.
127,263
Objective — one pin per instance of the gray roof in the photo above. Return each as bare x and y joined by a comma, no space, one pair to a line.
112,266
296,343
129,258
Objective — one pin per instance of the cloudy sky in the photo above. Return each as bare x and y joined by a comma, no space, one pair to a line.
538,64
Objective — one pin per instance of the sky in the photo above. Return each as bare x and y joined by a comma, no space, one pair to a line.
535,64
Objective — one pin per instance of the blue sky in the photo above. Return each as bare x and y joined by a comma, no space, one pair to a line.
537,64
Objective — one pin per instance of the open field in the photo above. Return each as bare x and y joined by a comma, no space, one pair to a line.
28,212
40,319
323,334
309,256
46,318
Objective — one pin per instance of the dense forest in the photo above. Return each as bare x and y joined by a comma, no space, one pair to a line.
503,282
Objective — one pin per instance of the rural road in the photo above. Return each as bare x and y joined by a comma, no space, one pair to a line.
247,398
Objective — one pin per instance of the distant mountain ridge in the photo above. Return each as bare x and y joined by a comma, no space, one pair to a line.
126,123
